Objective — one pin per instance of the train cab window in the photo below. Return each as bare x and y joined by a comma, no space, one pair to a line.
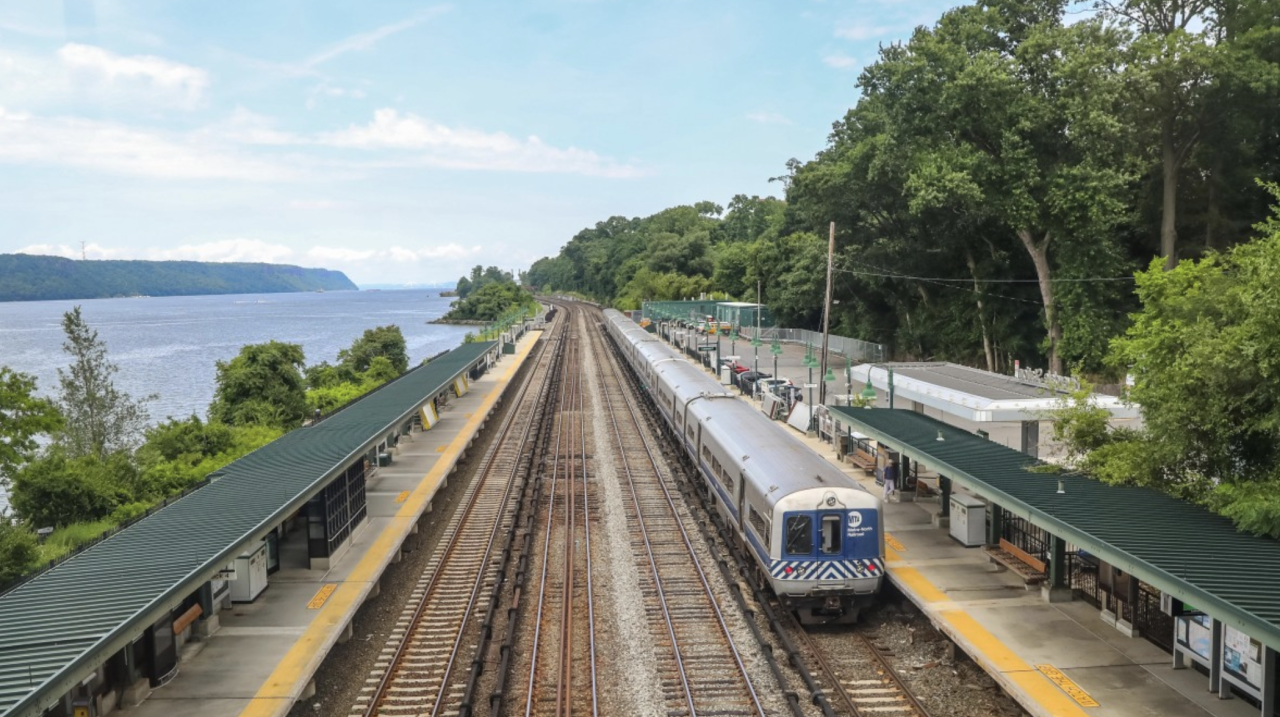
800,535
689,432
831,535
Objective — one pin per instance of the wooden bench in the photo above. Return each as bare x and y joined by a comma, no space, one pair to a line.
861,459
1032,570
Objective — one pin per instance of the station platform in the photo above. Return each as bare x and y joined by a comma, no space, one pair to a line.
262,659
1056,659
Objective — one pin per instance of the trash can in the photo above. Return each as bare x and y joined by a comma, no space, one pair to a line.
384,459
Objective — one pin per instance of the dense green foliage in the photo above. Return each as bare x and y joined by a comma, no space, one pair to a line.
180,453
23,416
99,419
263,385
373,359
94,475
1205,355
40,278
487,296
481,277
1001,176
19,550
385,341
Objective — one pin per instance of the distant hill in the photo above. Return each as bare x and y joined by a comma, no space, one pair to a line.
26,277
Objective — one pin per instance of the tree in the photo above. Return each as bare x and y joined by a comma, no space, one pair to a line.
99,418
262,385
1191,71
59,488
19,551
1204,352
179,453
1004,114
23,416
383,341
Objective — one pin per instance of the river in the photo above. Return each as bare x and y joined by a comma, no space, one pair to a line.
167,346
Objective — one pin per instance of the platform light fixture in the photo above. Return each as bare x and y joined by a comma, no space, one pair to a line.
1062,490
940,438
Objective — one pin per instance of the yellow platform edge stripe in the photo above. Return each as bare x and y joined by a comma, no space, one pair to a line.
993,654
277,694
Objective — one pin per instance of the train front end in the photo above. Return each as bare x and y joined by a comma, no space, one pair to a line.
828,562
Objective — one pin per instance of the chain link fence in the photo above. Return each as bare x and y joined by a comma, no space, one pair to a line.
853,349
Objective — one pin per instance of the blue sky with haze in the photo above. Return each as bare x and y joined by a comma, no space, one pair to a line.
405,141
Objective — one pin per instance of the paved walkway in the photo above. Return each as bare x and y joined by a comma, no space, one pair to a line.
263,657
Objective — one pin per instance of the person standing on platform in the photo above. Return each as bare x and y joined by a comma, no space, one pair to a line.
890,479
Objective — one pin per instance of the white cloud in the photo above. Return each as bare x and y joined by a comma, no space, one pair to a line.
94,64
840,61
88,251
400,254
226,250
106,146
768,118
340,255
367,40
461,148
860,31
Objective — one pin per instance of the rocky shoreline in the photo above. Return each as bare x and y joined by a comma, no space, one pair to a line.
460,322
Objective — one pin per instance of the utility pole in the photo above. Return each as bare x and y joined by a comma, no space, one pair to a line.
826,317
83,254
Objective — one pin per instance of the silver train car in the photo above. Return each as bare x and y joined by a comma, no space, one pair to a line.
814,533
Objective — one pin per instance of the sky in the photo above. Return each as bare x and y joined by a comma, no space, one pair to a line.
404,142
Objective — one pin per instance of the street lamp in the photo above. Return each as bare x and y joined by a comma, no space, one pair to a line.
776,349
869,392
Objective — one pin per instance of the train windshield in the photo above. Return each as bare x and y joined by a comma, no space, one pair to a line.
800,535
831,543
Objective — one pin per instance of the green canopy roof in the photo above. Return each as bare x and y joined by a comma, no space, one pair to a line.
1180,548
60,625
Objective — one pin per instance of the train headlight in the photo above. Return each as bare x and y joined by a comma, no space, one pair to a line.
831,500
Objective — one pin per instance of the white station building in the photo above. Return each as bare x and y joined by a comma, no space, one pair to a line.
1011,410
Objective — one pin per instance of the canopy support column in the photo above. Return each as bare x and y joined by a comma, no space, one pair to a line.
1058,588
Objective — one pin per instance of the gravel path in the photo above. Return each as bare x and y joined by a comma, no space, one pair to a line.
629,651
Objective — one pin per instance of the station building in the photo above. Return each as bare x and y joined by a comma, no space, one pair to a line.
1154,566
1010,410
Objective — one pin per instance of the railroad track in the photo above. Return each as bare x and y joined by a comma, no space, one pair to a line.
422,669
861,685
561,678
865,679
702,668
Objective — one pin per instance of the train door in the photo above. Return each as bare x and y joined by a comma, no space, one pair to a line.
830,533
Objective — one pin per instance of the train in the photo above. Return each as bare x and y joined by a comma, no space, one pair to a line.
815,535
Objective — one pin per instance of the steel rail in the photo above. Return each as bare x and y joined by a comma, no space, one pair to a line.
539,611
457,534
698,568
894,689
